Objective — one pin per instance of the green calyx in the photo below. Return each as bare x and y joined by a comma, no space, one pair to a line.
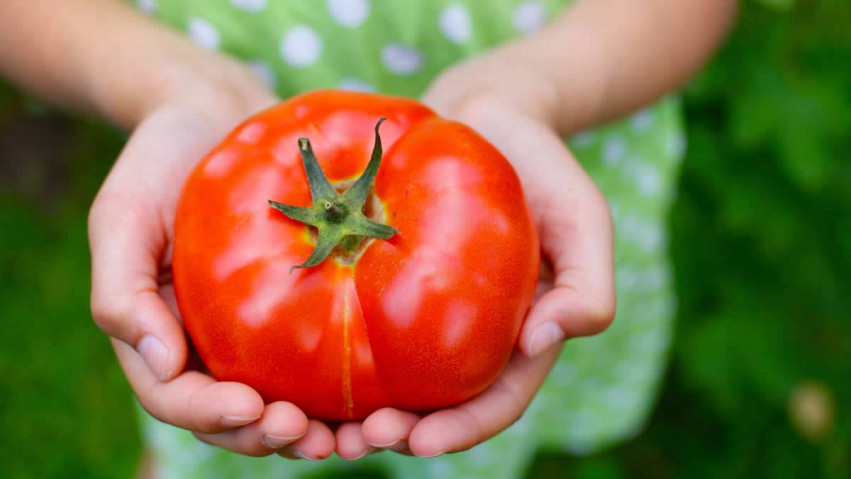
338,217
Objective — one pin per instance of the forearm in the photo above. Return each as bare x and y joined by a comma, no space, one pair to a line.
606,58
102,56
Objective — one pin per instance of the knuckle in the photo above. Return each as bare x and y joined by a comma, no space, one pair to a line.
600,316
107,313
113,314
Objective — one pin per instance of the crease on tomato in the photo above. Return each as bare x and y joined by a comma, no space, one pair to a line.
348,400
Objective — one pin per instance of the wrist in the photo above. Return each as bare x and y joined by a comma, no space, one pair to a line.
221,89
175,72
496,80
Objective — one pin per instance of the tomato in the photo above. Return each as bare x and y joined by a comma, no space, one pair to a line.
422,316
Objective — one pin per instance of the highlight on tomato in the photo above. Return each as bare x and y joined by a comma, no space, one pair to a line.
347,252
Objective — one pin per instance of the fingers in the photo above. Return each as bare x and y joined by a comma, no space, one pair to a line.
578,242
462,427
390,428
192,400
281,424
351,444
226,414
574,224
453,429
317,444
129,239
575,229
126,240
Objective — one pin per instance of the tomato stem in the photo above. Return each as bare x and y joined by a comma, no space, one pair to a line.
338,218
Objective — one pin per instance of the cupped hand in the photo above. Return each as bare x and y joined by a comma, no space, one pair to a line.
130,232
511,106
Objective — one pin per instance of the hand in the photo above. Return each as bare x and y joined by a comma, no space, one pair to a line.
511,106
130,230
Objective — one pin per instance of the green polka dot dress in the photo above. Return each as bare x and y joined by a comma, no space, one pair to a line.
602,388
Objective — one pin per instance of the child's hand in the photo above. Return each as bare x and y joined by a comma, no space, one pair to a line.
595,62
576,297
130,230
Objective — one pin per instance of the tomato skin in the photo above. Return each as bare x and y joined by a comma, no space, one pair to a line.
421,321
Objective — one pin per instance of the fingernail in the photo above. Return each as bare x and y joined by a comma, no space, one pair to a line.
299,454
544,337
363,454
388,445
155,354
236,421
438,453
276,442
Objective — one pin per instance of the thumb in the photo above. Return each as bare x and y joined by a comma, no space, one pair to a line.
560,314
126,241
580,301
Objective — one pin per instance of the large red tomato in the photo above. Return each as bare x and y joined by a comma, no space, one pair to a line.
425,319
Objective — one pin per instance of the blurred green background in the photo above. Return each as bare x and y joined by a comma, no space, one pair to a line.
760,378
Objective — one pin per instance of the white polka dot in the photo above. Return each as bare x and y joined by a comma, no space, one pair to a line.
264,71
203,33
401,60
301,46
349,13
650,236
353,84
646,176
613,151
147,6
650,182
529,17
252,6
455,24
642,119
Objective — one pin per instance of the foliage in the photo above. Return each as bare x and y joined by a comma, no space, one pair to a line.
761,241
65,410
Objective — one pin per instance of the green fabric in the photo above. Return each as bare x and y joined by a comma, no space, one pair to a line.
601,388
